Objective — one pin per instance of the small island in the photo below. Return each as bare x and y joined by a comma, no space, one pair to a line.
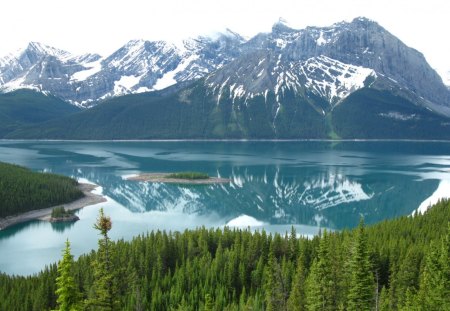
191,178
60,214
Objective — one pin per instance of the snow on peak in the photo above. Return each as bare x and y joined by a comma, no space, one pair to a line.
43,49
332,79
363,20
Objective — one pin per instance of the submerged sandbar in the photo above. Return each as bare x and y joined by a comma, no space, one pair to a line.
165,178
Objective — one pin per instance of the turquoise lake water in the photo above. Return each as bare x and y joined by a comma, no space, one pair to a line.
274,186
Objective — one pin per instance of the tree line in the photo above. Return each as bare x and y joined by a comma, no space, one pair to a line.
401,264
22,190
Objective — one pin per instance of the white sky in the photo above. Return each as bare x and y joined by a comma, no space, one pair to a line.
102,26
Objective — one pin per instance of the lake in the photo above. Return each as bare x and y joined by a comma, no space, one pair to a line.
274,186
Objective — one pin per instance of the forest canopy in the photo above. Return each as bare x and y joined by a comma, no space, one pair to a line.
401,264
22,190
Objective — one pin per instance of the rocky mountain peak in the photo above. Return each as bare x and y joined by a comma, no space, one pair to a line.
330,62
281,26
42,50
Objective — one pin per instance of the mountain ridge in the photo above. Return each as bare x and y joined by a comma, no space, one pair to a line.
142,66
312,83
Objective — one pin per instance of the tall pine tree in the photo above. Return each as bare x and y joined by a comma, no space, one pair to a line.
104,287
321,285
275,293
297,297
67,291
361,291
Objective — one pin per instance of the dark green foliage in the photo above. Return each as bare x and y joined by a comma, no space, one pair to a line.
374,114
104,289
26,107
322,287
224,269
188,175
60,211
192,112
297,298
361,287
22,190
434,292
67,291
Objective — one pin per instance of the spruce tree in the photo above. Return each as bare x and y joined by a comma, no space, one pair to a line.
361,291
67,291
209,304
275,299
104,287
321,286
297,297
434,292
445,265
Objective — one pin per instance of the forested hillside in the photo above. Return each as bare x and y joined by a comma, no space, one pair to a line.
22,190
401,264
26,107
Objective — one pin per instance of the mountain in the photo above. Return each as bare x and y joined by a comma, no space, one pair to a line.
26,107
445,74
349,80
138,66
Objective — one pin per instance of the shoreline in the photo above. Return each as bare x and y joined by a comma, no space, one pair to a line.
45,213
441,192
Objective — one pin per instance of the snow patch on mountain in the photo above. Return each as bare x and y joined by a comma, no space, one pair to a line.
169,77
17,84
92,69
125,84
332,79
327,78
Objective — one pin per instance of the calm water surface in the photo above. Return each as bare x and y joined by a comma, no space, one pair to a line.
274,185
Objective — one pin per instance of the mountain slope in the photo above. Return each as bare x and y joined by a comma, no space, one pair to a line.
138,66
349,80
25,107
193,113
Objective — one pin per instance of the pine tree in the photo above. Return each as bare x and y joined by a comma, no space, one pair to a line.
297,297
434,292
67,291
104,287
445,266
275,299
209,304
361,291
320,284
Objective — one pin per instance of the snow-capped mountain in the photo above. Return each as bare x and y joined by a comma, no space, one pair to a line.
138,66
330,63
326,63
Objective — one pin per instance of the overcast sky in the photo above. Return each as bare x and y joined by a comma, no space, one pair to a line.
102,26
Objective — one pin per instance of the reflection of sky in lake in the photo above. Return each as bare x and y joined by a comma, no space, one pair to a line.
276,184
